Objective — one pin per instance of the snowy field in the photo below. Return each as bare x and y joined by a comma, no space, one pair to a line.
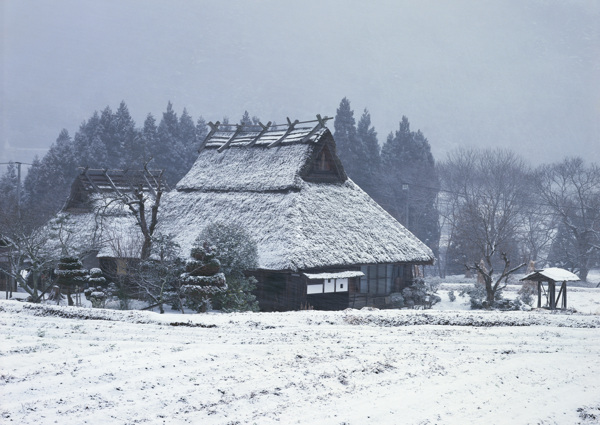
71,365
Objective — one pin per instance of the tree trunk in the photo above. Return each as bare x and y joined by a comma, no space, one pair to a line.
583,273
490,295
34,281
146,248
70,300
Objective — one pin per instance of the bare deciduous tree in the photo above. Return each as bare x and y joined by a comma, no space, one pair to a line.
487,198
141,199
572,190
29,258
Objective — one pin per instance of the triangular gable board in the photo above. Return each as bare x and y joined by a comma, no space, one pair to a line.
323,165
78,200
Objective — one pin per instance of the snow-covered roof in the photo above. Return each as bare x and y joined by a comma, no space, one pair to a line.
553,273
104,226
90,182
254,169
299,218
319,225
261,166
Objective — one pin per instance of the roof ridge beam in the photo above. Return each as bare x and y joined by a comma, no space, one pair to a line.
150,187
85,173
325,119
105,172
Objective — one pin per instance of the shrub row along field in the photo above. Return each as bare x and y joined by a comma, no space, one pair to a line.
349,316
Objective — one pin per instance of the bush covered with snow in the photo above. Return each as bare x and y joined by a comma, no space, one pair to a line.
202,280
420,295
237,252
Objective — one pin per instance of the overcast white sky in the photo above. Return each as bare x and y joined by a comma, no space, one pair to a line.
519,74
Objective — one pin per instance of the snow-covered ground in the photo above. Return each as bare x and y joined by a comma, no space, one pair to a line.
73,365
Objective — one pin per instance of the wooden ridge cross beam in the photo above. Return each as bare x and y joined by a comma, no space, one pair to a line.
217,127
291,126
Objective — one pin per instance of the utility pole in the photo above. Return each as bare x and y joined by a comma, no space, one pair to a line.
18,210
18,191
406,191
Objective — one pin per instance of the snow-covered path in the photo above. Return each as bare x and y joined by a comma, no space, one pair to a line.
303,367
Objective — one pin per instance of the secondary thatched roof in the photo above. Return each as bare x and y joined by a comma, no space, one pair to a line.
90,184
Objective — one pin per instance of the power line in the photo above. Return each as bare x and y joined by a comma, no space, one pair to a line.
534,204
15,162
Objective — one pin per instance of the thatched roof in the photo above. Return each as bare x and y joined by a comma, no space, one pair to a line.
92,183
289,190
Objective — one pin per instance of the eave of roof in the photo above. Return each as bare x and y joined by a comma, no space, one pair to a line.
320,225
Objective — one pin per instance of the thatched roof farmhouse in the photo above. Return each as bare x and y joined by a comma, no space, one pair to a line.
322,241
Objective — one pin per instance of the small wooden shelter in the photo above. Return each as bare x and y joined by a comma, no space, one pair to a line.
552,275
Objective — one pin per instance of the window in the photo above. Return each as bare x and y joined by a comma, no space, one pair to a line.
324,162
121,266
378,279
314,289
363,284
329,285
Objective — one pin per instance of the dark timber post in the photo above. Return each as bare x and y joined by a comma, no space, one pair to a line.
539,294
551,294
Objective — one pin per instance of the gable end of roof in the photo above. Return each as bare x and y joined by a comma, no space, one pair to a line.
323,164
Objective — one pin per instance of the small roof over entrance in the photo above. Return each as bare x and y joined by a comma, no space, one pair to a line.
552,273
336,275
